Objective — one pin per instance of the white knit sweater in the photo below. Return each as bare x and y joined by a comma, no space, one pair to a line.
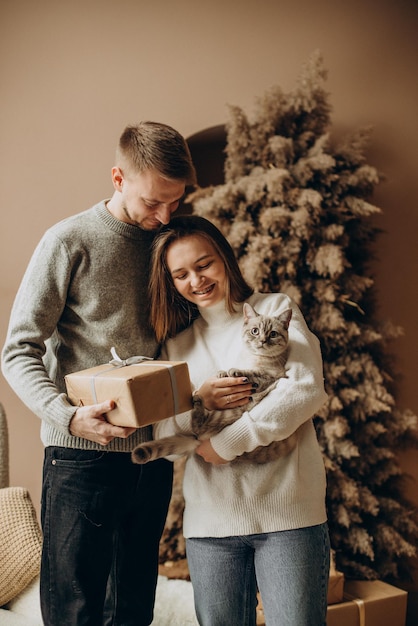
246,498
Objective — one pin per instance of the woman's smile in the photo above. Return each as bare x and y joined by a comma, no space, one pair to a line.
203,292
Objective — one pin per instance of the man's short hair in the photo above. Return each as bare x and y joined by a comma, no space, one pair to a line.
152,145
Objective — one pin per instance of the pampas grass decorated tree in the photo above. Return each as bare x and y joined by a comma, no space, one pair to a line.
297,212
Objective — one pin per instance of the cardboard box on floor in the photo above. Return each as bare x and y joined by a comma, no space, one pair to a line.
335,582
369,603
335,587
365,603
144,392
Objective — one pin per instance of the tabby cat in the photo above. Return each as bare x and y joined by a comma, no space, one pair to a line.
265,348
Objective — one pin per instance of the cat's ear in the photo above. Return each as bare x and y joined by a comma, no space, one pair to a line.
248,311
285,318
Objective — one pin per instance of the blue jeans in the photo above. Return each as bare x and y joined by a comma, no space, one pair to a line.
290,569
102,518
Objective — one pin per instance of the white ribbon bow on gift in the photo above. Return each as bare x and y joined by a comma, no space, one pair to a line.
132,360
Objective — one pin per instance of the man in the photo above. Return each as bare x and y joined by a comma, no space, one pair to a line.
84,291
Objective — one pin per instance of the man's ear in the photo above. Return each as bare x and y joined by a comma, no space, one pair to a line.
117,178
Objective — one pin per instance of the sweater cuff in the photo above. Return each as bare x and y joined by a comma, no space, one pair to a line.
59,414
182,423
235,439
176,425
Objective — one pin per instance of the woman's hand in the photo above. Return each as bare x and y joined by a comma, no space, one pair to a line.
206,451
225,393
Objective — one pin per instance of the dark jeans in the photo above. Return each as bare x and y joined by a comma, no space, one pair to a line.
102,518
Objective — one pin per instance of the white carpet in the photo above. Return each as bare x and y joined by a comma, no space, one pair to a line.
174,604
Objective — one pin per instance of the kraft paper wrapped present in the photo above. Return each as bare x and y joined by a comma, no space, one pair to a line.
369,603
335,587
335,582
145,391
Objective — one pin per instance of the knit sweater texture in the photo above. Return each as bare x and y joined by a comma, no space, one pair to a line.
242,497
84,291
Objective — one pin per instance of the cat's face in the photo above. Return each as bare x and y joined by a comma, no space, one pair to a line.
266,335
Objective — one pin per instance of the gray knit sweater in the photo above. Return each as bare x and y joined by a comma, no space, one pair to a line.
84,291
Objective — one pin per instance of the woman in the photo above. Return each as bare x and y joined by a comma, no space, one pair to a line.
247,526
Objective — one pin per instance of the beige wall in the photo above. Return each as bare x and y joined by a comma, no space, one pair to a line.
73,74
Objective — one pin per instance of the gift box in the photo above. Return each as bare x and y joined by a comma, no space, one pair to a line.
335,582
144,391
369,603
335,587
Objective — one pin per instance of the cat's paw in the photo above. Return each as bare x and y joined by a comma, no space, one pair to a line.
235,373
222,374
141,454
